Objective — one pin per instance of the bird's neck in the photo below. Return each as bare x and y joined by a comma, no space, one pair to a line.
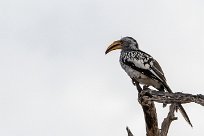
129,49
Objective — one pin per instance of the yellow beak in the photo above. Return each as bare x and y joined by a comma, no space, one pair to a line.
114,46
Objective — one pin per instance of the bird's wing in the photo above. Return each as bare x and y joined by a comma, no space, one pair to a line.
155,68
145,64
158,70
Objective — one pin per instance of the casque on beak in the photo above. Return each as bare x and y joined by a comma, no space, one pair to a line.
114,46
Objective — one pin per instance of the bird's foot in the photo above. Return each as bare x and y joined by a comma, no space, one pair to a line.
145,87
164,105
135,83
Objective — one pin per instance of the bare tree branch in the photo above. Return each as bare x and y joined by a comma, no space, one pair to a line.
146,98
167,121
150,115
178,97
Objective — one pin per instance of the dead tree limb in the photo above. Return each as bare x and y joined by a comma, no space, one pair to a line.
178,97
146,98
167,121
150,115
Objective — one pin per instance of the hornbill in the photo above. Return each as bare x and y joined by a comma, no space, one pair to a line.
141,67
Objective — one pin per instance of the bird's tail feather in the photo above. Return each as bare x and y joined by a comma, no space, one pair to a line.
184,114
180,107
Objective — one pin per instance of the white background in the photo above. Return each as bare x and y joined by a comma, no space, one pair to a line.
55,79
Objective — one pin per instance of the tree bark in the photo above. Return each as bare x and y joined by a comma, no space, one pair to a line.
150,116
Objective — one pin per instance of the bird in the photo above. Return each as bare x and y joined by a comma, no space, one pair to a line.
142,68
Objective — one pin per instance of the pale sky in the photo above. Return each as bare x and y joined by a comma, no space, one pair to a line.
55,79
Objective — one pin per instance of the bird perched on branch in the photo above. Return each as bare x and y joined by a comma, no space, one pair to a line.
141,67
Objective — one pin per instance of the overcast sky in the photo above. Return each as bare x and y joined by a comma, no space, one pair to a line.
55,79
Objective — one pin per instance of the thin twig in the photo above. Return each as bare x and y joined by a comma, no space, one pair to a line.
167,121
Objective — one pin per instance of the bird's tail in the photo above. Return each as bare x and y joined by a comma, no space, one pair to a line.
180,107
184,114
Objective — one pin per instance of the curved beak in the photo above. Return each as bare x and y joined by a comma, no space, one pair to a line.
114,46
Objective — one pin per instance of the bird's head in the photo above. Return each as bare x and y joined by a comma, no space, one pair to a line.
124,43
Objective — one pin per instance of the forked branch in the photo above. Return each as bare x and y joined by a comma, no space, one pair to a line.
146,98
